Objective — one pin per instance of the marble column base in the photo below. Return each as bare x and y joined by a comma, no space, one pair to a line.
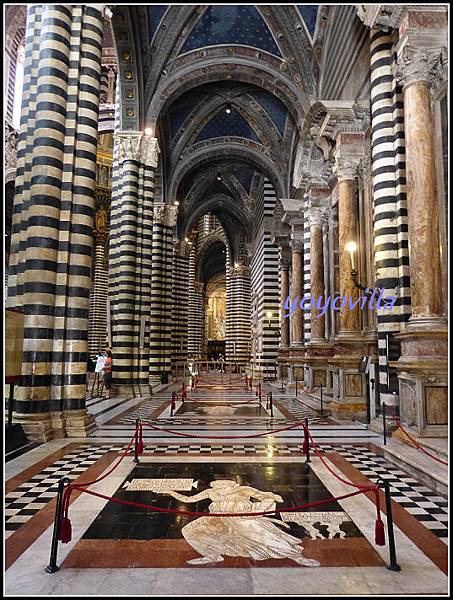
423,375
79,423
349,386
58,424
37,426
316,363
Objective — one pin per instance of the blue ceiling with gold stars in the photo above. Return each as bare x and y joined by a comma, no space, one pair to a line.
230,24
223,124
182,108
244,176
155,14
274,107
309,13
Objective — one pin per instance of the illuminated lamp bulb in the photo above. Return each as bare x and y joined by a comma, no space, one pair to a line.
351,247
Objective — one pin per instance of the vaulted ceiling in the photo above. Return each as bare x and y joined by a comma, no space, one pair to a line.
226,88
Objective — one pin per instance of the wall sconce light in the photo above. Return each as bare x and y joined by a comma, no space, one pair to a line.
148,131
351,247
228,109
269,315
219,177
176,202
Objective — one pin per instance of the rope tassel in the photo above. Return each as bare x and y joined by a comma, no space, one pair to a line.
140,440
379,534
65,535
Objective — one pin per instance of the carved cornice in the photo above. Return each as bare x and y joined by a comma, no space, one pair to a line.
380,15
429,65
344,117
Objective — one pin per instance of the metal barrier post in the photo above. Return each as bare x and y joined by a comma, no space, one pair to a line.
393,566
296,387
10,403
136,460
307,442
384,423
271,404
52,567
322,410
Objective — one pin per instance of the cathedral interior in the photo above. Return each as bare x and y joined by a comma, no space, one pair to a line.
226,280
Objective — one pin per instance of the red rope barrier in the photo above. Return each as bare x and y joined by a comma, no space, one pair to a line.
222,437
213,514
65,523
418,445
379,525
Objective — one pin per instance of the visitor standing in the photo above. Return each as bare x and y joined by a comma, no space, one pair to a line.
107,371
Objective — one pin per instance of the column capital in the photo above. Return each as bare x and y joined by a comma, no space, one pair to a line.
297,245
346,167
150,151
128,145
182,248
316,216
165,214
428,65
239,270
293,210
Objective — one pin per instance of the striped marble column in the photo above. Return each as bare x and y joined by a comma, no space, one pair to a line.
131,235
195,303
389,192
240,317
53,215
180,297
160,347
97,334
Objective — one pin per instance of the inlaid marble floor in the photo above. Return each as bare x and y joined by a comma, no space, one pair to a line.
273,554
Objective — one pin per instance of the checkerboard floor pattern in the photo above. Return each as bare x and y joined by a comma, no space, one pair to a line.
300,411
29,497
425,505
145,410
297,410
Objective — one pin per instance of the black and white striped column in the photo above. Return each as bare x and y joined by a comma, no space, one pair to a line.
389,193
195,304
180,297
52,240
131,246
160,293
239,322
